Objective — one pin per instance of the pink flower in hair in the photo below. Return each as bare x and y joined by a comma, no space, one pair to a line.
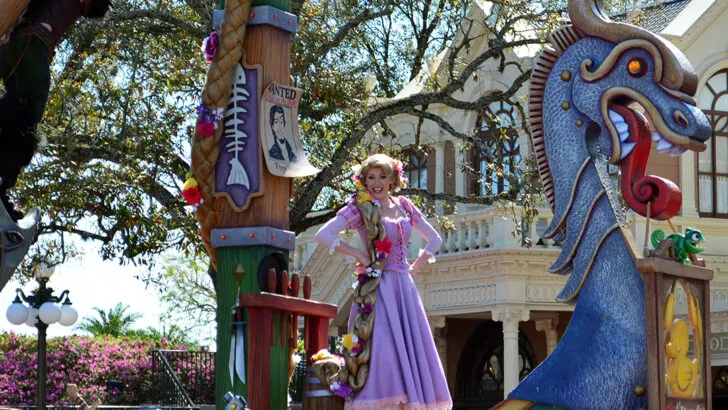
399,167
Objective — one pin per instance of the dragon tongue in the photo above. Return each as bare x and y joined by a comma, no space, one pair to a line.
638,126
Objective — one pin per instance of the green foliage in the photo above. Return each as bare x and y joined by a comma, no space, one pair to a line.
116,322
187,295
118,124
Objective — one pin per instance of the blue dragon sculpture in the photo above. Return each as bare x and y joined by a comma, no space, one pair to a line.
586,88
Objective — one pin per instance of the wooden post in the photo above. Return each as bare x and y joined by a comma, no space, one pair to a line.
678,349
253,230
269,318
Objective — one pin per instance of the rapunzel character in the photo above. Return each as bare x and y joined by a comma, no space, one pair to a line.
391,358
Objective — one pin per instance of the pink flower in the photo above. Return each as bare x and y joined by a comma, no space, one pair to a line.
205,129
398,167
209,46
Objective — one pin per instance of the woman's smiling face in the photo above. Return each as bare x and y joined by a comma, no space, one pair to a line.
378,183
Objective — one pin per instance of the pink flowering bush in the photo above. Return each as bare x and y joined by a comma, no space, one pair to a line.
86,361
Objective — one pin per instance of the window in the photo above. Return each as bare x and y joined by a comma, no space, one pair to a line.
713,162
479,378
416,169
499,153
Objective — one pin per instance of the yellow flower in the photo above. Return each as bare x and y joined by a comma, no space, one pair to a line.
350,340
363,196
190,183
321,355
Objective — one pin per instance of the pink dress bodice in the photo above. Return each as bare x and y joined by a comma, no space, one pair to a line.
398,230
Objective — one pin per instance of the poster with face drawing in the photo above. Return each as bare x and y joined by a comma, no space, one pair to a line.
282,146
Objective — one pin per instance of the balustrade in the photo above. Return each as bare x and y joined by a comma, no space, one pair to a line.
489,228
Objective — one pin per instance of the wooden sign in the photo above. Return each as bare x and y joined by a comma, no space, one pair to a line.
238,171
678,342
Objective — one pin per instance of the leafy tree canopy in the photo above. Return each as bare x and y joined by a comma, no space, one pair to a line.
118,125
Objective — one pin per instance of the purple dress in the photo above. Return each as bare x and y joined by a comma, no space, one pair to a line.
405,371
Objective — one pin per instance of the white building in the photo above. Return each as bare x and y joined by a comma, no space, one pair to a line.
486,293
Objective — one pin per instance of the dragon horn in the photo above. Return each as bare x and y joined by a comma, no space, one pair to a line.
589,17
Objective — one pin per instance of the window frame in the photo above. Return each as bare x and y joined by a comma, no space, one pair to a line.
714,116
421,170
502,141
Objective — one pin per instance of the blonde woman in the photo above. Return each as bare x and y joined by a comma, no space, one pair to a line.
391,358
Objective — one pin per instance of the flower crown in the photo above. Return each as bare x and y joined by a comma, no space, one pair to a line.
398,167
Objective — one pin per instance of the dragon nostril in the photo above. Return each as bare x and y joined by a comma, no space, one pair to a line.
680,118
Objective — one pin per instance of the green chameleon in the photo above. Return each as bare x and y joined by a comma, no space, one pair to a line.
684,244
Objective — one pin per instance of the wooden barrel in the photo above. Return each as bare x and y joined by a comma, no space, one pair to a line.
317,396
10,11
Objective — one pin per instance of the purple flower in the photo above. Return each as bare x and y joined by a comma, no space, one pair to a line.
209,46
363,278
202,110
342,389
366,308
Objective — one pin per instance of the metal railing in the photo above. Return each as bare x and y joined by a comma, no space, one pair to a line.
183,378
295,389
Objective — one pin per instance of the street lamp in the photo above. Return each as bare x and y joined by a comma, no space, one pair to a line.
42,310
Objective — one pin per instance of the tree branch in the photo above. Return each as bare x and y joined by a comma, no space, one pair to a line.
157,15
346,29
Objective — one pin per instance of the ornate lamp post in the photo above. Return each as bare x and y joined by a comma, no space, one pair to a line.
43,309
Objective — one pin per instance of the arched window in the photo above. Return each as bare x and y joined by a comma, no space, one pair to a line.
479,380
415,169
499,152
713,162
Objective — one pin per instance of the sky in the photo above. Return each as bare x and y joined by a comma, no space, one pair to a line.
92,282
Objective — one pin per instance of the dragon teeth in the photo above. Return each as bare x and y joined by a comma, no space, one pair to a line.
616,118
627,148
676,151
656,137
620,125
622,128
664,145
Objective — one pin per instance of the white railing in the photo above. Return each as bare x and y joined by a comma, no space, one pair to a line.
491,228
475,230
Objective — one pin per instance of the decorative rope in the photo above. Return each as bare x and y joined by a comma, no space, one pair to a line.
220,77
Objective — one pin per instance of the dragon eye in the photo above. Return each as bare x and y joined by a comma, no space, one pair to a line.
696,236
637,67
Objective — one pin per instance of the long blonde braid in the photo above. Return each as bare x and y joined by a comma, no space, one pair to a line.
363,326
357,367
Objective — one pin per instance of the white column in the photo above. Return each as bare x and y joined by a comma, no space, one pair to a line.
688,185
439,334
439,174
547,324
510,319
